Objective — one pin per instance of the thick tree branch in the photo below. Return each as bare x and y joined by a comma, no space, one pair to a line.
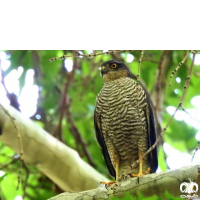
148,185
57,161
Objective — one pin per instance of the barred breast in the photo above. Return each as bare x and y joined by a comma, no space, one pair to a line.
122,106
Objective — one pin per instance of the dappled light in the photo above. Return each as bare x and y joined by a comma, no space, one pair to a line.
58,90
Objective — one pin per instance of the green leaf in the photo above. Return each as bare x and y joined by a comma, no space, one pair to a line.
2,177
140,195
161,159
181,136
127,196
171,197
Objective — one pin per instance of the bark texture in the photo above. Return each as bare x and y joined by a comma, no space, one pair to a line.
148,185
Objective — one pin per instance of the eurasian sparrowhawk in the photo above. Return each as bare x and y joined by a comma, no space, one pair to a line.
124,122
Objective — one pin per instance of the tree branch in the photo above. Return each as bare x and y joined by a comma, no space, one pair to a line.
57,161
78,54
148,185
72,126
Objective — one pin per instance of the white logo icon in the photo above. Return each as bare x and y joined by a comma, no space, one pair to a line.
190,189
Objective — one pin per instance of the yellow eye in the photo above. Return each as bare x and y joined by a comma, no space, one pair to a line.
113,66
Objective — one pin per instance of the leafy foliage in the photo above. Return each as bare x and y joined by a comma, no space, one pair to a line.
140,196
84,85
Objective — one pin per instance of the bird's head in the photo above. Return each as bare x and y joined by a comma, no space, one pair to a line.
114,69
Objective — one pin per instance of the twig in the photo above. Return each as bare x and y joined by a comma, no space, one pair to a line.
78,54
177,68
138,75
76,134
159,83
65,109
89,79
26,179
188,78
198,144
160,86
8,164
164,129
196,149
62,106
36,65
140,61
20,144
74,130
189,114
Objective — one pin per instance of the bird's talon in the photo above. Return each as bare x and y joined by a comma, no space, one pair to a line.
114,186
124,177
136,175
141,174
106,184
147,171
101,184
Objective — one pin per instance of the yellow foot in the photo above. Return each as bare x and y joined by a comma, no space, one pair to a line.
107,183
140,174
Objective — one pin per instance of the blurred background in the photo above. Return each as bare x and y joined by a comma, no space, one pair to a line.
61,94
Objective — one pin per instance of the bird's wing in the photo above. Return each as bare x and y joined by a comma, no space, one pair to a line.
152,135
150,126
101,141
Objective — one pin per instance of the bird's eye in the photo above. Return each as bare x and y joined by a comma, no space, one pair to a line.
113,66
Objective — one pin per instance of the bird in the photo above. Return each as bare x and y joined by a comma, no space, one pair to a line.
124,122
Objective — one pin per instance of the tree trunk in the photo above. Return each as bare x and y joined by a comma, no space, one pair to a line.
148,185
57,161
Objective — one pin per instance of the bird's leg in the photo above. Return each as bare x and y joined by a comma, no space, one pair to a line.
117,167
116,158
140,164
140,167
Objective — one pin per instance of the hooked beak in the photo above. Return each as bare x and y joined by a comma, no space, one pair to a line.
103,70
